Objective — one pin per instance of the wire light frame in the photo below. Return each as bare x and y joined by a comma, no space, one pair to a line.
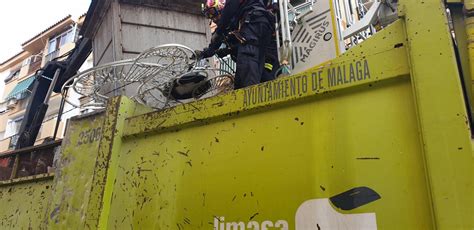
97,84
159,77
158,94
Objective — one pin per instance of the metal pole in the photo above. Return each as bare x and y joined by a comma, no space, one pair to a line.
51,87
60,113
285,30
48,95
277,34
340,28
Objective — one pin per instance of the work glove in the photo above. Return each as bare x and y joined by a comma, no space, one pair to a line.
200,54
197,55
223,52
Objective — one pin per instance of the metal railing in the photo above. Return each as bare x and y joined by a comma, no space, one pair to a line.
29,161
34,66
13,141
360,19
227,65
52,55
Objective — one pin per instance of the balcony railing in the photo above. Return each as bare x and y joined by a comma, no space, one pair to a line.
13,141
52,55
31,161
34,66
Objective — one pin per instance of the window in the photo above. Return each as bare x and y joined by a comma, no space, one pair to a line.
13,74
52,45
66,37
34,63
32,59
13,126
60,40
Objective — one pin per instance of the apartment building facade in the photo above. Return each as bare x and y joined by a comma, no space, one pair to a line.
18,73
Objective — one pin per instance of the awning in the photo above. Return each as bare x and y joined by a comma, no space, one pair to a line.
21,89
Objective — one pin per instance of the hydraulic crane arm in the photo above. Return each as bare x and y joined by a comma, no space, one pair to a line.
49,79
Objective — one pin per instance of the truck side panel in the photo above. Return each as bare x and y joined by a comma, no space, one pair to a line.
264,165
24,204
338,147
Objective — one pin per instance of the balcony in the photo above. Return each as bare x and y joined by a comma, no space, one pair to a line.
13,141
52,55
30,161
34,66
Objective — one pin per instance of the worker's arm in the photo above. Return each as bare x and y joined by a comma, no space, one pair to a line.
216,42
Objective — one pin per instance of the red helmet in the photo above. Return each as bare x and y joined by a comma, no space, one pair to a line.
212,8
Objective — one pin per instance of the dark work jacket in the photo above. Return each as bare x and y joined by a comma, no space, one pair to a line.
232,13
235,10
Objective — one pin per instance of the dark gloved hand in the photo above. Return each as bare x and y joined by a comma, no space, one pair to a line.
200,54
197,55
223,52
207,53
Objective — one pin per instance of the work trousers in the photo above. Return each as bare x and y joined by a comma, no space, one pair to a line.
251,55
271,59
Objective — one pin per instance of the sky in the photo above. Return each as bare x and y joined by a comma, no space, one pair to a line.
21,20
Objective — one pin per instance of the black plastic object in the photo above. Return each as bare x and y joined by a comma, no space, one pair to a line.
354,198
184,87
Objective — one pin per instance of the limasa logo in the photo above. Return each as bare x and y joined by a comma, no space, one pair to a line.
221,224
318,214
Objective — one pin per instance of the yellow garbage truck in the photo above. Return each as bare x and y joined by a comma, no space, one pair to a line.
377,137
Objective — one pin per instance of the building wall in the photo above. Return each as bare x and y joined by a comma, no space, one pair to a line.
131,27
4,143
153,27
102,44
18,110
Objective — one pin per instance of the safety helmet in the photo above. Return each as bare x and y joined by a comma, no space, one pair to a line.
213,8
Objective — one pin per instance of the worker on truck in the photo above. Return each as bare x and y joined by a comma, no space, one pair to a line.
251,25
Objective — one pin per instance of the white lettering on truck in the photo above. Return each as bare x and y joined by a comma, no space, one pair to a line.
221,224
